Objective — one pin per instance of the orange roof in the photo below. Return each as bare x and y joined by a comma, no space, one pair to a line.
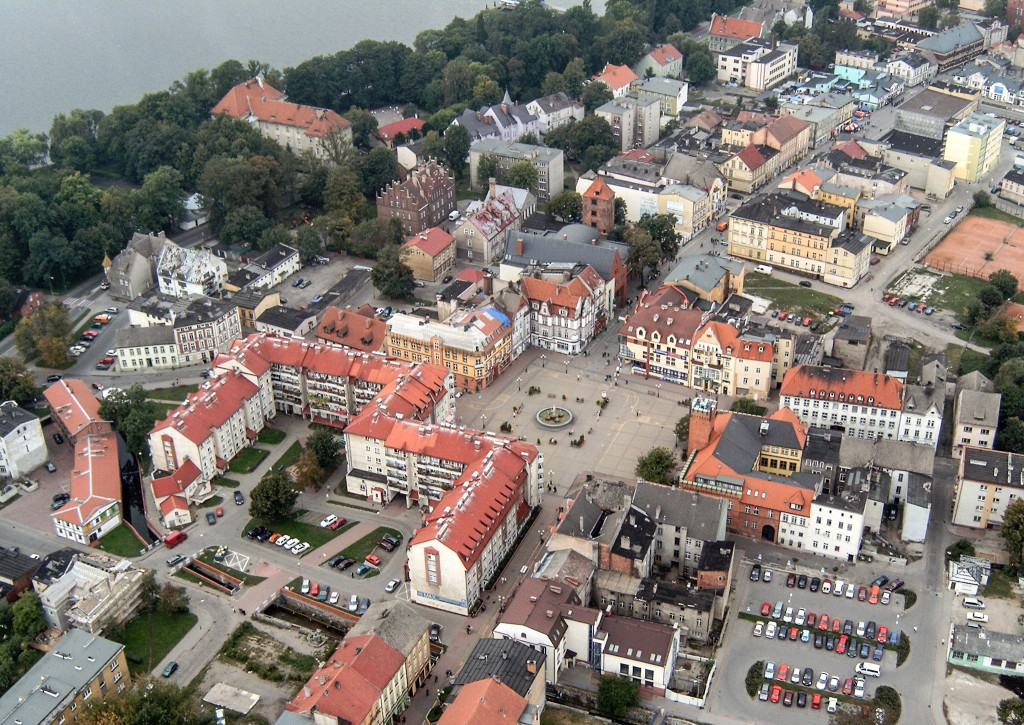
843,386
1015,312
350,684
431,241
665,54
599,190
348,328
209,408
484,701
726,27
95,478
176,482
616,76
74,404
728,337
804,178
636,155
173,503
389,130
470,275
751,157
854,150
786,128
248,100
567,296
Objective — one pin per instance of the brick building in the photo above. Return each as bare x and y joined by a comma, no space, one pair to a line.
599,207
423,200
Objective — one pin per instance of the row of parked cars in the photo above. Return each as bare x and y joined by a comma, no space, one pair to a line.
894,301
831,640
292,543
879,591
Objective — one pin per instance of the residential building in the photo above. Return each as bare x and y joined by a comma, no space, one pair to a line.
973,145
423,200
176,490
22,446
267,269
669,92
755,64
78,667
986,650
726,33
955,46
838,523
751,168
830,192
405,630
914,68
94,509
721,362
430,254
565,314
804,237
618,78
968,575
26,301
145,348
1014,12
352,329
679,605
207,326
184,271
286,321
294,126
95,592
364,681
132,273
515,664
17,571
489,223
686,524
506,121
635,121
903,8
701,173
644,652
251,303
656,339
480,489
475,347
691,207
851,341
661,62
921,158
598,210
555,110
887,220
400,131
489,700
986,483
568,566
548,162
864,404
712,277
75,410
864,59
1011,187
928,112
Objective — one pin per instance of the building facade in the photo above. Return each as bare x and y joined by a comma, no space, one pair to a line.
973,145
549,163
430,254
423,200
22,446
986,483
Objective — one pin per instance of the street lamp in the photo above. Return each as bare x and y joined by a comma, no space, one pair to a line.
543,360
658,386
520,382
50,276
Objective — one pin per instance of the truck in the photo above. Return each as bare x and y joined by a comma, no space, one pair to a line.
174,538
723,225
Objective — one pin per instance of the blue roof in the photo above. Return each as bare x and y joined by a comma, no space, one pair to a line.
498,314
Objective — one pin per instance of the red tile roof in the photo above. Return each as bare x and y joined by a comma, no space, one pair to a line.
665,54
348,328
854,150
390,130
728,337
350,684
679,320
734,28
431,242
636,155
616,76
95,478
209,408
803,178
173,503
567,296
484,701
598,189
843,386
176,482
236,102
245,100
73,404
471,275
786,128
751,157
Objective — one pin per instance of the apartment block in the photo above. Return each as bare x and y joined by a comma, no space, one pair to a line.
635,121
756,64
22,446
184,271
986,483
549,163
566,314
975,413
973,145
95,592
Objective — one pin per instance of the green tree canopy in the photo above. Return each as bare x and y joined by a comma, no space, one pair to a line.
131,415
307,241
16,382
643,252
45,333
325,446
379,168
662,228
243,224
616,696
1005,281
364,125
566,205
655,465
486,169
456,148
392,276
1012,530
523,175
1011,711
273,497
28,615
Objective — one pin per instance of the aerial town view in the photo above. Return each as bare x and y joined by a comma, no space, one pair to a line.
553,363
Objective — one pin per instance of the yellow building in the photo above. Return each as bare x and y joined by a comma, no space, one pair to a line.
430,254
723,363
690,206
973,145
840,195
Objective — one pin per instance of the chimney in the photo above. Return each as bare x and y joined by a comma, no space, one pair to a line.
519,244
702,419
490,187
306,691
624,541
531,667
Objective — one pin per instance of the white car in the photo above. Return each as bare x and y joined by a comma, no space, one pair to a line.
395,583
861,629
886,596
770,631
858,687
833,704
788,616
334,597
839,588
328,520
300,548
305,586
801,617
285,541
851,592
111,353
769,671
822,681
767,576
353,603
759,629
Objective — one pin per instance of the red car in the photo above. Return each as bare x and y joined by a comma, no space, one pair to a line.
816,701
823,622
811,619
372,559
776,693
338,522
883,634
766,609
862,594
848,686
836,626
793,634
841,647
791,581
783,674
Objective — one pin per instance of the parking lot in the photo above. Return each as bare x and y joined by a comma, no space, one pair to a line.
745,649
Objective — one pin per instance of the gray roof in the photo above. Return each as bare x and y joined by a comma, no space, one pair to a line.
949,40
977,408
691,170
919,490
767,210
517,151
136,336
552,248
14,565
249,297
739,447
635,535
986,643
897,358
662,85
553,102
504,658
1000,467
918,398
55,565
704,271
681,595
506,113
887,454
855,328
204,309
13,415
934,103
974,380
850,499
274,257
285,317
599,510
48,688
703,517
402,628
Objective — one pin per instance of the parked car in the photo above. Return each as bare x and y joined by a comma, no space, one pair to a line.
791,580
763,695
766,609
338,523
50,467
211,518
335,596
58,438
755,573
301,548
170,669
767,575
328,520
805,283
822,681
815,584
54,378
395,583
353,603
435,632
239,499
373,559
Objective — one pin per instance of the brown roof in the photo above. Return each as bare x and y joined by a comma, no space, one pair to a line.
679,320
431,241
725,27
484,701
647,642
786,128
351,329
598,190
540,605
843,386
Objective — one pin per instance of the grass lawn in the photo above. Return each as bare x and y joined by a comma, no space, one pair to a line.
973,337
990,212
247,460
164,408
953,291
175,393
11,500
228,482
791,297
289,458
167,632
999,586
39,412
310,533
368,543
212,502
85,326
121,542
271,436
964,360
207,558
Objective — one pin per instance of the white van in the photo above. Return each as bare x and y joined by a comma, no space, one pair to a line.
869,668
764,269
974,603
453,216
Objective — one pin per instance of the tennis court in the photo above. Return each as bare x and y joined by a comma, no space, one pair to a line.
978,247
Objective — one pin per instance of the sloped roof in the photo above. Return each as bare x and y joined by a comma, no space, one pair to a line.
751,157
431,242
484,701
616,76
209,408
236,102
389,130
665,54
840,385
73,403
734,28
786,128
598,189
256,99
949,40
176,482
348,328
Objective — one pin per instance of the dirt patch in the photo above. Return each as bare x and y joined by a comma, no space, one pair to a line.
978,247
972,701
914,285
265,570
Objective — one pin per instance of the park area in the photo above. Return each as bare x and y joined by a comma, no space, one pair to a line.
978,246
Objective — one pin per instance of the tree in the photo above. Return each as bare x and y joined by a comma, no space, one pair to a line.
1005,282
7,298
995,8
325,446
486,169
341,193
273,497
662,228
149,595
370,237
594,95
928,17
1011,710
131,415
644,252
682,431
566,205
244,224
523,175
379,168
1010,436
159,204
308,473
982,199
655,465
45,333
364,125
28,620
573,77
456,148
746,405
990,296
272,237
700,66
963,547
172,600
307,241
771,104
158,703
1012,530
432,146
392,276
553,83
616,696
16,382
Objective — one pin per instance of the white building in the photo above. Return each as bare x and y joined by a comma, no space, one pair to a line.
566,315
644,652
184,271
22,446
555,110
975,413
837,524
147,348
987,482
94,592
756,64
